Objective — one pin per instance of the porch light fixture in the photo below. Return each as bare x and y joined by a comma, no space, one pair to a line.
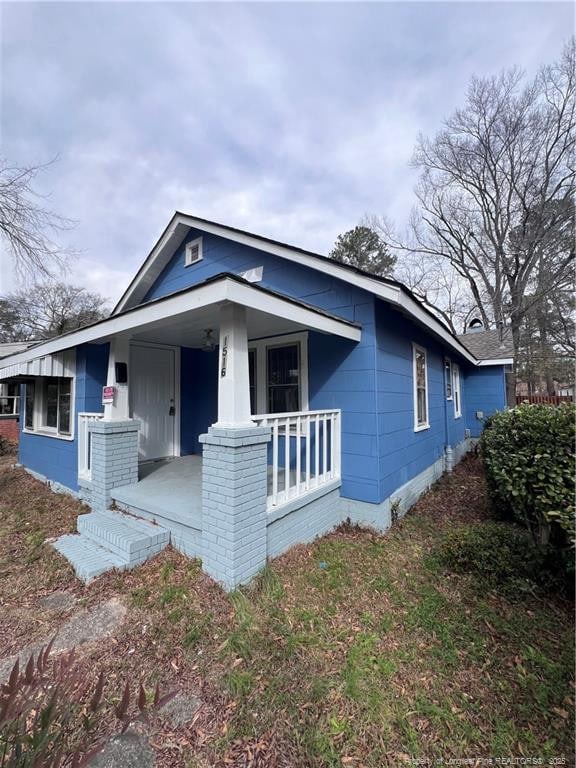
209,343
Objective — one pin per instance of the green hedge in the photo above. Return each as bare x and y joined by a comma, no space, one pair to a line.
528,454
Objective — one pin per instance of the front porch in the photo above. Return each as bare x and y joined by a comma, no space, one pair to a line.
304,467
232,500
232,477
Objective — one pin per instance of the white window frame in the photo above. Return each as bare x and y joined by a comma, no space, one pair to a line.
41,429
189,246
418,427
448,378
457,390
261,347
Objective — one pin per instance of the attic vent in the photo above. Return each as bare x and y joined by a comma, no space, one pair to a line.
475,326
193,251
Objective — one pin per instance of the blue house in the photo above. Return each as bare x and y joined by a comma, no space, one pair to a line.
243,396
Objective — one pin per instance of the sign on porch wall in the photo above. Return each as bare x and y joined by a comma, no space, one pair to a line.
224,357
108,395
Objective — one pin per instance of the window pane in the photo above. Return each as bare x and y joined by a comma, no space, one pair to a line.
456,388
29,416
283,378
283,399
420,369
448,378
283,365
51,403
64,406
421,399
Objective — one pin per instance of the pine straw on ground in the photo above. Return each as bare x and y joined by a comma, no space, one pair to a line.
353,651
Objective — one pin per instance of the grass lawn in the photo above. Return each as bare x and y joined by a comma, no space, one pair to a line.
357,650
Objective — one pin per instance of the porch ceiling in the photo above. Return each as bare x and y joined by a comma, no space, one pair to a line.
189,331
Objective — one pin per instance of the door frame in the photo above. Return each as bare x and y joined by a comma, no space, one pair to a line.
177,388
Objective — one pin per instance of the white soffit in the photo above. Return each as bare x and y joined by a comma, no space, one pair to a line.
172,308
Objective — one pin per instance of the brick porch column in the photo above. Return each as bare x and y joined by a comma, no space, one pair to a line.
114,459
234,492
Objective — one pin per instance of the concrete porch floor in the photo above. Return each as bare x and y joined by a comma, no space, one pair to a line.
171,488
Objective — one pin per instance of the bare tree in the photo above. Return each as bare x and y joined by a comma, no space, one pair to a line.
48,309
27,225
496,188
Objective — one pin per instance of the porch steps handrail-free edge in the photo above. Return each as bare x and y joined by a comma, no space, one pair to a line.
84,446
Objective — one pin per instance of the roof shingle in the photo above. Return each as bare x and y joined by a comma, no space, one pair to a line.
487,345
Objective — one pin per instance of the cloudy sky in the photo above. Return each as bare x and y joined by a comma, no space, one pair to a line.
288,119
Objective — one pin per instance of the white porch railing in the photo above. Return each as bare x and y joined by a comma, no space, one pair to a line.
84,444
305,452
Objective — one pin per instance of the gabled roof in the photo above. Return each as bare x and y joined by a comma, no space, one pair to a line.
385,288
181,305
489,345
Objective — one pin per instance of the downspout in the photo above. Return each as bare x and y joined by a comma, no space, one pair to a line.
448,454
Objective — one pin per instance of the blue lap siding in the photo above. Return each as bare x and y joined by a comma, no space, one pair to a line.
341,374
370,381
485,392
57,458
404,453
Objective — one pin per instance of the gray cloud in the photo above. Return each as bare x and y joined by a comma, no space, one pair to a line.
292,120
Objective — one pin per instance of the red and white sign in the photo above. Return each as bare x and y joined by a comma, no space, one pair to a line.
108,395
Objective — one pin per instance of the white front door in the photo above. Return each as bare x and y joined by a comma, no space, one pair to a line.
152,399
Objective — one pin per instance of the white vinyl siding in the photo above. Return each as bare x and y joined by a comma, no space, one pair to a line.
420,380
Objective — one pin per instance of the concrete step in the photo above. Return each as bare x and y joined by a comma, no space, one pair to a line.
132,539
87,558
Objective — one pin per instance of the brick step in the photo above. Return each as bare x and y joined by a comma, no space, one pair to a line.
87,558
132,539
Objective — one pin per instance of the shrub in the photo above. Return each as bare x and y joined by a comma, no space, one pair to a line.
49,713
528,455
500,555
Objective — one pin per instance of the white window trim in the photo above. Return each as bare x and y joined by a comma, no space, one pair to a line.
451,374
38,428
420,427
261,345
197,241
456,387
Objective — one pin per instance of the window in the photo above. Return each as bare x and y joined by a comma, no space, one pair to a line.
420,373
448,377
456,389
193,252
49,406
278,369
9,399
283,371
